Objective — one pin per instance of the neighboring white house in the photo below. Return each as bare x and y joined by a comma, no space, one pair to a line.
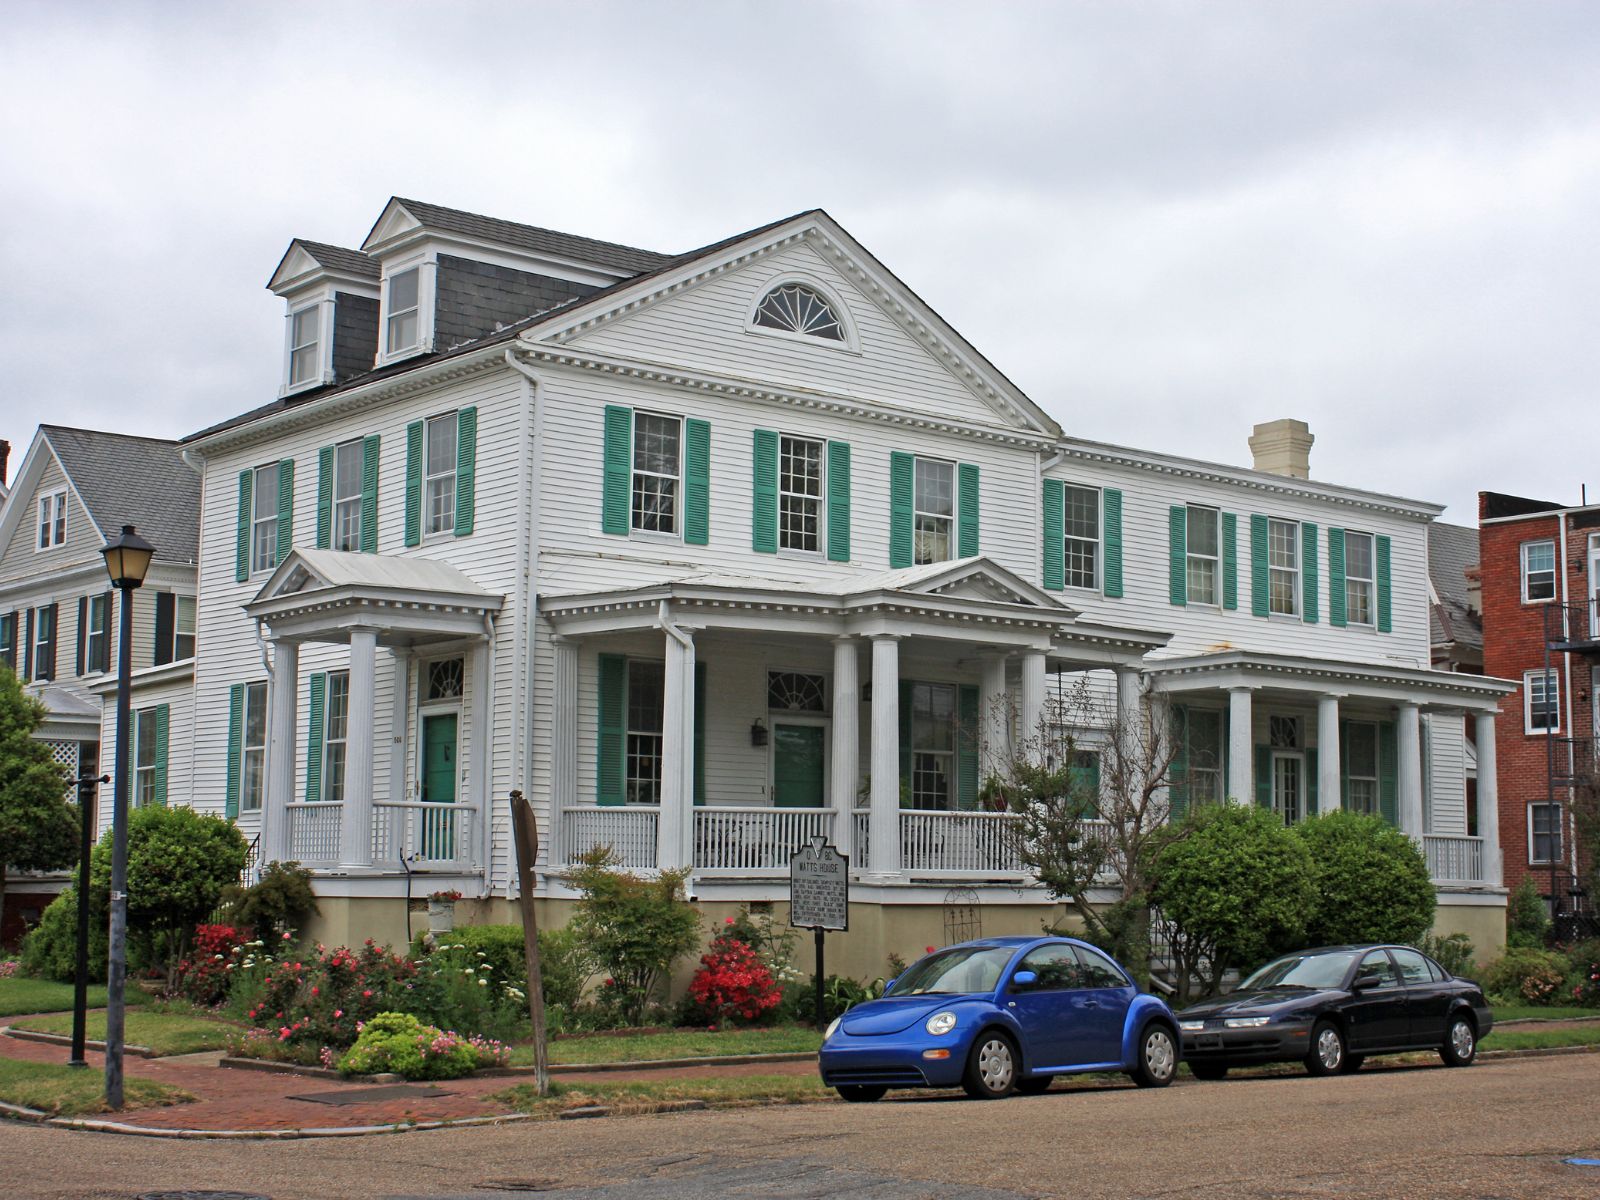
707,553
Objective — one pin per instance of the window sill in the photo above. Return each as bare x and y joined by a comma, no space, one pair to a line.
659,539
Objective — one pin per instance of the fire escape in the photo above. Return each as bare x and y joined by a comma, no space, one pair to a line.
1573,768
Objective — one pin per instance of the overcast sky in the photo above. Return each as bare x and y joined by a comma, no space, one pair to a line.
1165,222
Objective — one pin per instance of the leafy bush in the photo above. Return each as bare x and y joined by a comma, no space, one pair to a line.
1454,953
1527,919
318,999
564,963
207,974
398,1042
50,950
839,995
1527,975
1584,958
772,942
1372,881
732,985
459,988
280,902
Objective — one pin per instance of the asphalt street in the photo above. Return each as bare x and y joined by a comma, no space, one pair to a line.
1498,1129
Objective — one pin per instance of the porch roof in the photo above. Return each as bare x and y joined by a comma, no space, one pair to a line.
68,716
321,595
1227,669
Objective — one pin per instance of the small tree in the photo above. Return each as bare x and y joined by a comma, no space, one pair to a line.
37,825
1372,881
1527,920
1237,890
281,901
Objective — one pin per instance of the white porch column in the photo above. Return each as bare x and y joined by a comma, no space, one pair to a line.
1328,751
1130,726
994,719
275,842
1489,802
1033,674
563,745
885,795
399,711
355,823
481,667
675,830
1241,749
1409,736
846,732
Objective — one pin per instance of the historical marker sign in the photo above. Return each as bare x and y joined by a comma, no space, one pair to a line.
819,887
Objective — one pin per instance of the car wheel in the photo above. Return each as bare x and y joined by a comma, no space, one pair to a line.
1209,1070
1352,1063
1327,1050
861,1093
1035,1085
991,1067
1158,1057
1460,1042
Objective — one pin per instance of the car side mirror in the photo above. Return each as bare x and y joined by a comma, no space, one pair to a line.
889,984
1024,979
1365,982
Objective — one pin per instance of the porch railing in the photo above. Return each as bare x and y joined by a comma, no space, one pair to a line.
315,828
1454,859
861,840
958,843
629,829
441,836
755,841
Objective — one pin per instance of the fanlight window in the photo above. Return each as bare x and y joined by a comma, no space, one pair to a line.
797,309
444,679
790,691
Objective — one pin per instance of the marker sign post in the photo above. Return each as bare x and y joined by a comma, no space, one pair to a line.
819,897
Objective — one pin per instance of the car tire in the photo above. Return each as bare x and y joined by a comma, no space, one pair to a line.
1035,1085
992,1066
1211,1071
1327,1054
1352,1063
1460,1042
1156,1060
861,1093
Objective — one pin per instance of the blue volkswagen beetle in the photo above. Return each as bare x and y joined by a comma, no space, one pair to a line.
997,1015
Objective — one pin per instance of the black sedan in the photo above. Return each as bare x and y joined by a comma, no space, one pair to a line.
1331,1007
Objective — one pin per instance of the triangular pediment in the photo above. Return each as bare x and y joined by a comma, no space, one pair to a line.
394,222
980,579
296,263
307,570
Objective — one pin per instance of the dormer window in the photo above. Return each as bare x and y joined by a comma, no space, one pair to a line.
404,324
53,520
305,344
793,308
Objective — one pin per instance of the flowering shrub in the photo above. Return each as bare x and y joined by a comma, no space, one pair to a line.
400,1043
1585,974
1531,976
8,967
732,984
319,998
450,896
206,975
458,987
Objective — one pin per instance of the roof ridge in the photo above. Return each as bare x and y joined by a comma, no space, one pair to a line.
141,437
466,212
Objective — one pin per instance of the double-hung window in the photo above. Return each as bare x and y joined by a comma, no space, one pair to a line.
182,628
1203,752
646,706
264,519
657,472
336,735
144,757
44,642
253,756
933,528
1283,565
933,745
439,485
404,321
1358,578
1541,702
96,639
1538,571
1361,767
1544,833
799,494
305,338
1082,513
347,496
1203,550
52,520
8,639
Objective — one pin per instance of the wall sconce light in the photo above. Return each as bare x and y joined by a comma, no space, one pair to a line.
758,733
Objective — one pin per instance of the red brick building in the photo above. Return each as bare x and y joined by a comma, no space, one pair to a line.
1540,572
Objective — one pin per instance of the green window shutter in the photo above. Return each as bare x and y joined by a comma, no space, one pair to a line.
610,733
316,728
699,733
1086,783
1230,560
369,494
1111,514
616,503
1388,773
902,473
967,747
1055,535
1344,764
466,470
1178,555
1309,589
905,742
235,749
838,501
1259,603
162,715
1264,776
1178,770
697,482
241,545
285,507
324,497
967,507
1336,613
764,498
1311,784
1385,613
414,484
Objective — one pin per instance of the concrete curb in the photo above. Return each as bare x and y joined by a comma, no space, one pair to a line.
649,1064
18,1112
62,1039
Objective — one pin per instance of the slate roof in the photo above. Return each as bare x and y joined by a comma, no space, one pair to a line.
128,480
530,237
1452,549
339,258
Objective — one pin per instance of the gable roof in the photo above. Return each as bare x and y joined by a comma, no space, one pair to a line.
123,479
1452,551
333,258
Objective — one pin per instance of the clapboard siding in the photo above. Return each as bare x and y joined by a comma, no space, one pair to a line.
22,558
178,695
1446,773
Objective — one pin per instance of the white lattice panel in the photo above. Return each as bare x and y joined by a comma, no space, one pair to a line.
65,753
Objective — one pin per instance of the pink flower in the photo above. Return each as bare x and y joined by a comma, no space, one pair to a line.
367,993
315,991
927,949
286,937
337,1013
727,920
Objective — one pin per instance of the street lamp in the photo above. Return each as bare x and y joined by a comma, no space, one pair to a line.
127,560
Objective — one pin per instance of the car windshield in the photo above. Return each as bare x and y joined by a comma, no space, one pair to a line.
959,969
1302,971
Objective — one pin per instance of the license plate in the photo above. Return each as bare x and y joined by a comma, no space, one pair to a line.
1208,1041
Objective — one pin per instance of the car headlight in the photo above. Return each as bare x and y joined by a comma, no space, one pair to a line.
1191,1026
832,1025
1246,1022
941,1023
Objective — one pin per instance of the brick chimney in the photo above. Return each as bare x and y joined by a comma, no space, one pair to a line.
5,457
1283,448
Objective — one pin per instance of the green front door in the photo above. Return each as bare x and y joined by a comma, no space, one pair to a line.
797,765
439,782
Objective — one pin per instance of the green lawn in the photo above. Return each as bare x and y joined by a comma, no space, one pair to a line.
19,995
1539,1039
74,1092
163,1032
690,1043
1521,1012
643,1095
